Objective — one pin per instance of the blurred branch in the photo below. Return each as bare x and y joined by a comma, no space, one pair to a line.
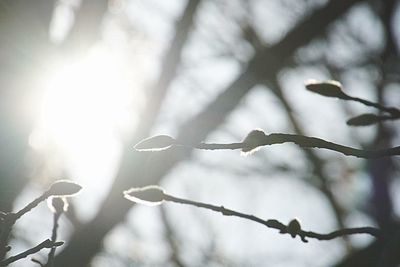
170,237
381,253
169,66
87,25
241,171
113,210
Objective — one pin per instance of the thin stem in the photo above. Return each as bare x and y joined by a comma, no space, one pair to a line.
50,261
275,224
31,205
391,110
45,244
9,220
307,142
231,146
313,142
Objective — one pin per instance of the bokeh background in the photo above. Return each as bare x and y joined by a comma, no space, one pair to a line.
81,82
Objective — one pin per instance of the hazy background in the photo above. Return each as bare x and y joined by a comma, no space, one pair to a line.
81,83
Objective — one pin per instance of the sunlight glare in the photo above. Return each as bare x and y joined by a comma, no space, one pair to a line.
86,107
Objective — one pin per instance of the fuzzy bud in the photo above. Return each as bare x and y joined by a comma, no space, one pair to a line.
151,195
294,227
57,204
155,143
326,88
363,120
253,141
64,188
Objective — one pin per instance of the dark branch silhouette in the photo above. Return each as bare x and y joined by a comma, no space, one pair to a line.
334,89
45,244
154,195
308,142
275,224
257,139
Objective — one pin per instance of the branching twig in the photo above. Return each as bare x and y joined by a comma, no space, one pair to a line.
257,138
9,220
335,89
308,142
154,195
31,205
391,110
50,261
275,224
45,244
58,188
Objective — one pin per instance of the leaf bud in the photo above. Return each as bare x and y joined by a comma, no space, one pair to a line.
57,204
253,141
294,227
151,195
328,88
155,143
363,120
64,188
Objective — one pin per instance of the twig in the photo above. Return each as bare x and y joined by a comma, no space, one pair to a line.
334,89
45,244
275,224
9,220
308,142
50,261
31,205
391,110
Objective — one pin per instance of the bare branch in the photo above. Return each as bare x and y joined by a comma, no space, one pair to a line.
275,224
307,142
45,244
252,143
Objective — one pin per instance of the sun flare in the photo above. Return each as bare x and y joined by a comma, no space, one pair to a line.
85,107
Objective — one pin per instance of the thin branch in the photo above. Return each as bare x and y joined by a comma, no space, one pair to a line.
391,110
307,142
334,89
214,146
45,244
10,218
33,204
50,261
275,224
